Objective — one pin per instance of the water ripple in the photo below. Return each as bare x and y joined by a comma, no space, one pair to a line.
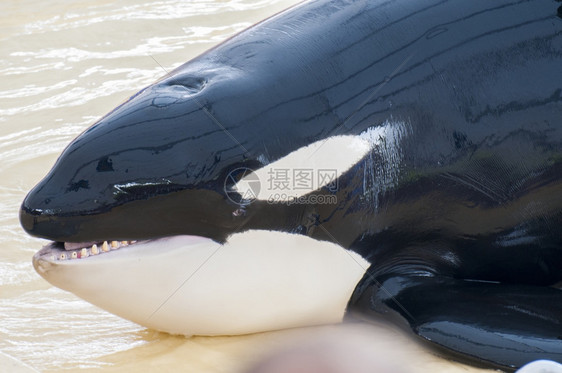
50,325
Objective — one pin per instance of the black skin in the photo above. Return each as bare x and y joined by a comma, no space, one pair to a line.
463,230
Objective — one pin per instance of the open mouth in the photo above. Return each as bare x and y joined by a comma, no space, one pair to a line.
59,251
70,251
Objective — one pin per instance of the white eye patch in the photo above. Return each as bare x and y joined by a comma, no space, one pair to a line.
320,164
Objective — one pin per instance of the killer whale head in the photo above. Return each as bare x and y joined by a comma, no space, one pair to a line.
146,209
148,219
161,164
125,177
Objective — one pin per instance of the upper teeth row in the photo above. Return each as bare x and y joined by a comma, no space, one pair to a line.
94,250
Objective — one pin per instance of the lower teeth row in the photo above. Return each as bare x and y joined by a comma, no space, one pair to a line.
92,251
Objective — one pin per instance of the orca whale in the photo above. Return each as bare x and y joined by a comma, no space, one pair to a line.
379,159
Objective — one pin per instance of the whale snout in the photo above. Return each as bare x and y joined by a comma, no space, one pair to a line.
35,221
200,212
148,169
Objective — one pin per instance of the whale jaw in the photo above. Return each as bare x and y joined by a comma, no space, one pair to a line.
257,281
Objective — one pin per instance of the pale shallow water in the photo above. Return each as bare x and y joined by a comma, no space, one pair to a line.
64,64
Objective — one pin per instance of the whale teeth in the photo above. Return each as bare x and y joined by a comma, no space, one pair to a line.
85,252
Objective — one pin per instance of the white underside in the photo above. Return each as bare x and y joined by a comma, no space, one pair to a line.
258,281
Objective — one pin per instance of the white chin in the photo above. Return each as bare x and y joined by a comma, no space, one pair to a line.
257,281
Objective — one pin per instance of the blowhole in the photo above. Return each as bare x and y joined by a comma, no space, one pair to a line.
191,83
